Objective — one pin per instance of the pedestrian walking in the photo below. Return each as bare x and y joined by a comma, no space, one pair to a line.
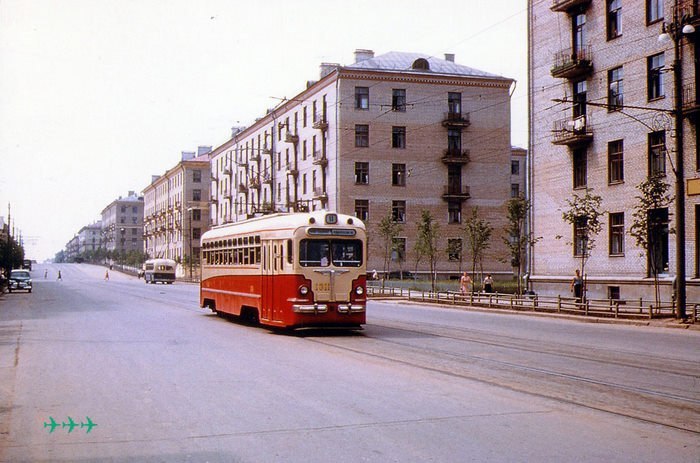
106,275
46,274
577,286
488,283
464,283
59,276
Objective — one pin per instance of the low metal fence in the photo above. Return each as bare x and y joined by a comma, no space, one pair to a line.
604,308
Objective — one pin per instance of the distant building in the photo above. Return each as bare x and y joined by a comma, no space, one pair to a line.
386,136
122,224
518,172
176,206
90,238
4,231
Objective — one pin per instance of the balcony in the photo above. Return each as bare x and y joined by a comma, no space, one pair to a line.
255,157
227,170
291,137
266,150
456,192
320,159
571,64
688,10
214,199
292,172
267,179
254,183
572,131
320,122
242,188
563,6
691,105
455,156
320,194
456,119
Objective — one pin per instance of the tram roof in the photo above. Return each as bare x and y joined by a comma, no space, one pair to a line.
281,221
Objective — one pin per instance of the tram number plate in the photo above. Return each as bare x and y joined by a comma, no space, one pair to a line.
322,287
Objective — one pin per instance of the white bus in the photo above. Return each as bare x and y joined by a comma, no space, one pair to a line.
159,270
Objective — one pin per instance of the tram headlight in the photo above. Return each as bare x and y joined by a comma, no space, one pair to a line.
359,290
303,290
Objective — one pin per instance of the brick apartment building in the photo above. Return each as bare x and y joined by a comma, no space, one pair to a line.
176,209
601,103
391,135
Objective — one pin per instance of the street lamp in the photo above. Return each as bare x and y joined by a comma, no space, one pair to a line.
189,238
675,30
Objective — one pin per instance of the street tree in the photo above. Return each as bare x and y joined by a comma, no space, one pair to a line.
649,223
389,229
584,215
478,233
426,243
516,236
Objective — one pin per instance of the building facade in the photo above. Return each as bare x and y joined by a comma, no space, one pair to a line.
176,209
385,137
90,238
602,107
122,224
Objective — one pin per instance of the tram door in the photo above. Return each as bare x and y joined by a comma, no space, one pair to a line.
273,252
267,281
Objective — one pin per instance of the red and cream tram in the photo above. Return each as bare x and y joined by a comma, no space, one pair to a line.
287,270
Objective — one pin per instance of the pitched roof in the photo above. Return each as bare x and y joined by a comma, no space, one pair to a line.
404,62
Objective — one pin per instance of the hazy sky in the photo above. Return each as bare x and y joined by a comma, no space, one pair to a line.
98,95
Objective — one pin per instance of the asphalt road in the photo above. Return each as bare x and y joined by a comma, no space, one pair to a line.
164,380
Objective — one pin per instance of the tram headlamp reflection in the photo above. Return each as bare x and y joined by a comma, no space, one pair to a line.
359,290
303,290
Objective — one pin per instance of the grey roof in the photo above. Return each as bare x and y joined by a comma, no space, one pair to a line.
403,62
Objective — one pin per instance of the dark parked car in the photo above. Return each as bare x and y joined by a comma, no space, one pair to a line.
20,280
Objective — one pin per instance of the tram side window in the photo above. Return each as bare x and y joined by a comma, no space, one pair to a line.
289,251
320,253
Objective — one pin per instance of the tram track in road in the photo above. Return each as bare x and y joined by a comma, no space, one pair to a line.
451,352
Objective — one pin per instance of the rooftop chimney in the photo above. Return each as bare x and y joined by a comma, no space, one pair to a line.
327,68
132,193
187,155
362,55
450,57
203,150
154,178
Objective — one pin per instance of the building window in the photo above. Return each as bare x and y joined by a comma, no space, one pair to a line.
398,137
697,240
398,253
398,99
615,89
196,176
454,103
196,233
454,141
362,173
657,153
454,212
196,195
514,190
580,168
398,211
361,97
579,34
196,214
362,209
579,97
655,11
655,79
616,172
614,19
580,238
617,233
361,135
614,293
123,209
454,249
658,241
515,167
398,174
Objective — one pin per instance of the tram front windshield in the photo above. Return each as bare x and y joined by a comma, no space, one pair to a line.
323,253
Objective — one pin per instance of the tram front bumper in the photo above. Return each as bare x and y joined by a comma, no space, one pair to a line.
344,308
